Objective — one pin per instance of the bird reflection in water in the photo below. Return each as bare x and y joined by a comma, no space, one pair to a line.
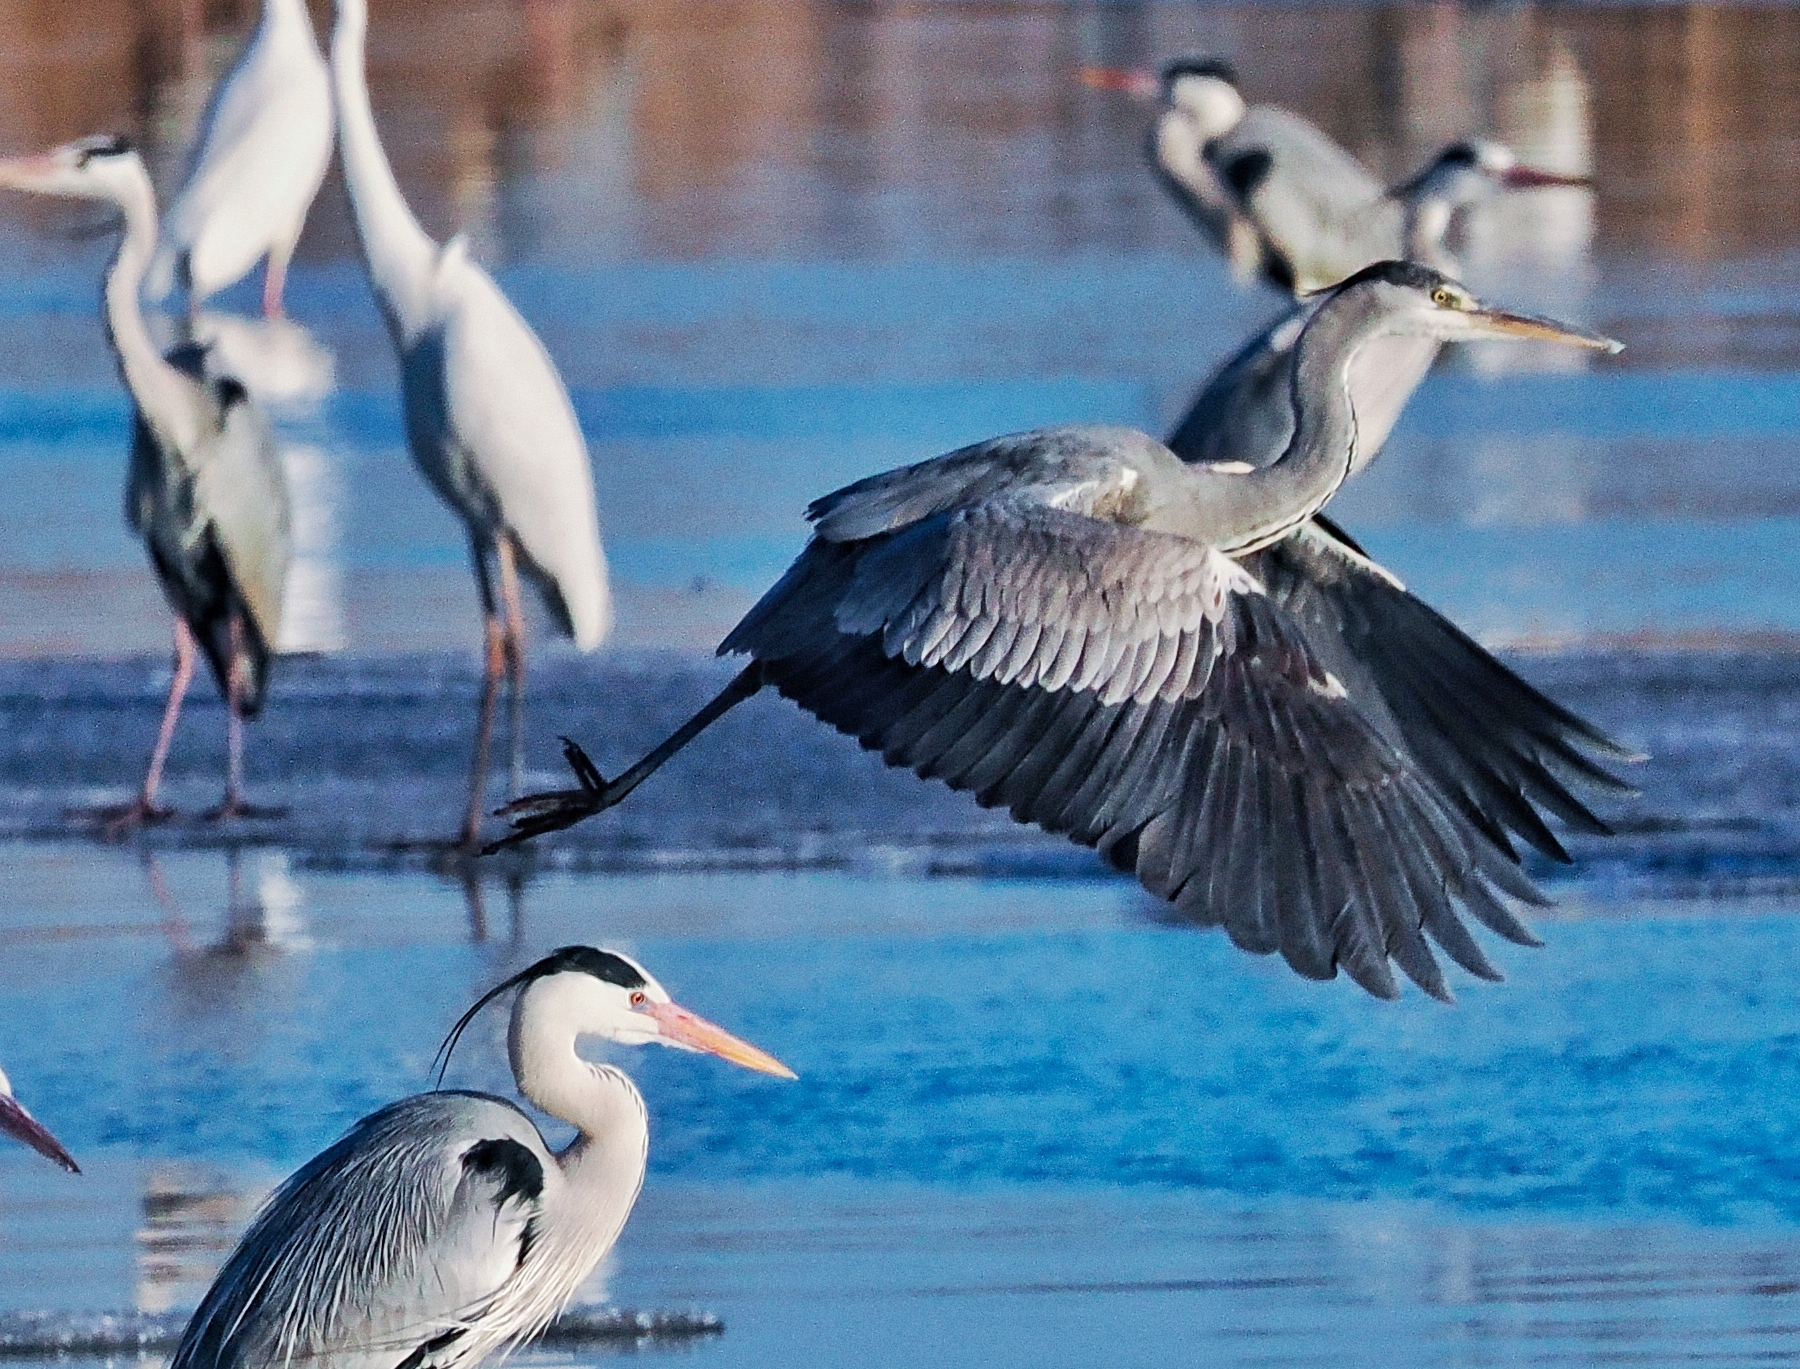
263,921
475,894
192,1217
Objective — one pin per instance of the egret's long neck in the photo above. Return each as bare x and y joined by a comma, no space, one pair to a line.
401,256
161,392
283,17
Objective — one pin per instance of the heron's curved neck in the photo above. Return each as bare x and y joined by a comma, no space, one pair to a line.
160,391
1245,512
284,17
1427,222
401,256
600,1102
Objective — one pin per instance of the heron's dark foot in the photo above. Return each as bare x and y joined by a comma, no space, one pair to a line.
120,820
536,814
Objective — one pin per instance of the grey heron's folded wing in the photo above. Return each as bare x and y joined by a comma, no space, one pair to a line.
1141,694
1494,746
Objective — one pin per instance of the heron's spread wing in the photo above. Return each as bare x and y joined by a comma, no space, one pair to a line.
1496,747
383,1250
241,487
1245,412
1141,694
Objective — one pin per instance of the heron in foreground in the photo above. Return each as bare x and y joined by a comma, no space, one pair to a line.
260,157
206,490
442,1229
487,417
19,1124
1075,625
1276,193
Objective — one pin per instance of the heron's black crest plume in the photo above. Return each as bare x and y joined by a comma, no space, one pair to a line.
1195,64
602,965
1459,154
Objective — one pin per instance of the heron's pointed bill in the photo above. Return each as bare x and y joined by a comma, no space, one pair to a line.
22,1126
1142,83
1499,323
1531,178
26,173
696,1033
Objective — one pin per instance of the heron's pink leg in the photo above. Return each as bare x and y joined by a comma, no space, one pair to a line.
515,658
275,279
234,725
484,734
165,736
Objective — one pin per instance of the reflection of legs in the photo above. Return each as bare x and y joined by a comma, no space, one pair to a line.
515,659
484,731
145,809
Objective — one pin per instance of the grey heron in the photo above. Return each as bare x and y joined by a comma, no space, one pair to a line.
259,159
1071,623
1317,214
442,1229
206,489
19,1124
488,418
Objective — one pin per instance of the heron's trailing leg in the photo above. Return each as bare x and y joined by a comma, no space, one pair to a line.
536,814
515,659
275,279
233,806
493,665
144,808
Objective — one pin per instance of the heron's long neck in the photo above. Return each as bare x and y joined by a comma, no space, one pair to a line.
1244,512
1427,222
401,256
160,391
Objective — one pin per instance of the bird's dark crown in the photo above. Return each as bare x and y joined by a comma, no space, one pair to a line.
1460,154
1195,64
1408,274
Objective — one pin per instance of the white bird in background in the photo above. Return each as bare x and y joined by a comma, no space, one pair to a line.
443,1229
263,148
487,416
206,490
22,1126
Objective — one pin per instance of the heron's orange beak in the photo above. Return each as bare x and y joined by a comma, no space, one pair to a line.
1530,178
696,1033
22,1126
1143,84
1500,323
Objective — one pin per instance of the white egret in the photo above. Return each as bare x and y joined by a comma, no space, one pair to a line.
206,489
260,157
443,1229
487,416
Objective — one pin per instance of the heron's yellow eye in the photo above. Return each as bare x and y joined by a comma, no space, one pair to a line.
1443,298
637,999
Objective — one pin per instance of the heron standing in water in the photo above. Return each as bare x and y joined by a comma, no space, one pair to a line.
443,1229
206,492
1071,624
259,160
487,417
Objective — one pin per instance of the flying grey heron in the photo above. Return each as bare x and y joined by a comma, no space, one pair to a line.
19,1124
1071,623
487,416
259,160
206,489
442,1229
1317,214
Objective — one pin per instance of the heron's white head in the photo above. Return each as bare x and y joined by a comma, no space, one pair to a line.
1205,89
580,991
1475,168
22,1126
104,167
1405,299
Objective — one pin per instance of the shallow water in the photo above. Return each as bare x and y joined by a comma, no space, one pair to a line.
1031,1126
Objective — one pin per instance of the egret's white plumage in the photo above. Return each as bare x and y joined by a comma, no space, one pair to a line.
19,1124
488,418
443,1229
259,159
206,489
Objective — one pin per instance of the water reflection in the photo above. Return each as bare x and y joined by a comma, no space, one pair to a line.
193,1215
